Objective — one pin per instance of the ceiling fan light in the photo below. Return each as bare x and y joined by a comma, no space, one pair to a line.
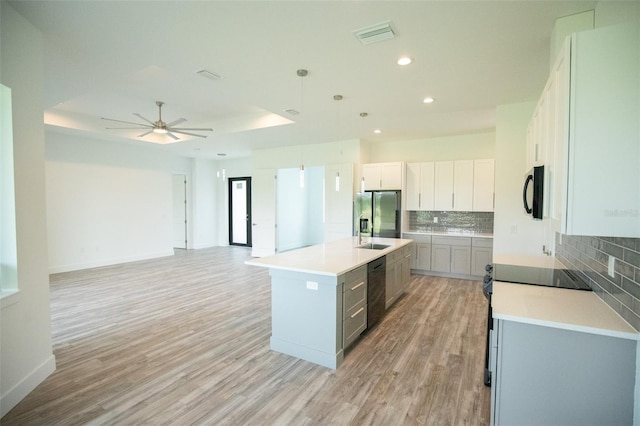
160,130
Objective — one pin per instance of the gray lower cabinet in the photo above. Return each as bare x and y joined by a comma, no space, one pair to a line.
354,296
398,274
550,376
421,252
481,255
451,255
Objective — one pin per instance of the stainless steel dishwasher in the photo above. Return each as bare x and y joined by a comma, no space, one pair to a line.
376,282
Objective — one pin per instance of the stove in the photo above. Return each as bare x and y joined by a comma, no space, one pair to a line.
547,277
528,275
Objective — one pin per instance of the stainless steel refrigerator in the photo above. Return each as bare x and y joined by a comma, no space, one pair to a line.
377,214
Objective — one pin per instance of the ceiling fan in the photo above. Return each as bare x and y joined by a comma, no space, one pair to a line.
160,126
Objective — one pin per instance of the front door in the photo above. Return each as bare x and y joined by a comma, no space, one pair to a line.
240,211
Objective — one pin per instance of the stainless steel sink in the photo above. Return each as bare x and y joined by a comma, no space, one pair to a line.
372,246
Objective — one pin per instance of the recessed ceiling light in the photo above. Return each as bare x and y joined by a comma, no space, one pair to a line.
428,100
377,131
405,60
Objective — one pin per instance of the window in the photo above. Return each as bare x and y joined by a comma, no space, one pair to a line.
8,254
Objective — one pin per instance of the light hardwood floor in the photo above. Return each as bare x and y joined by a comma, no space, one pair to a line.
185,340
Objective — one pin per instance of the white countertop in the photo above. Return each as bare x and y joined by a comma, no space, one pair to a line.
559,308
333,258
451,234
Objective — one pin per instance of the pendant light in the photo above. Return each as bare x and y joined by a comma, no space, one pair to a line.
337,98
302,73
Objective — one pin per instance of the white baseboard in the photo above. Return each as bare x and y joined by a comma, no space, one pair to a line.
17,393
106,262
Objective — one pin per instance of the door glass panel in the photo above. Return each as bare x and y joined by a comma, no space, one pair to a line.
239,212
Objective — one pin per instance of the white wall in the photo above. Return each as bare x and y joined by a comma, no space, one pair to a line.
26,356
107,202
205,190
460,147
514,231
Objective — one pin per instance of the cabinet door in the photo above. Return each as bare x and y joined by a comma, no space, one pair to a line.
371,176
480,257
391,176
390,284
443,193
461,260
423,256
412,193
557,181
405,266
441,258
463,185
603,190
427,186
483,185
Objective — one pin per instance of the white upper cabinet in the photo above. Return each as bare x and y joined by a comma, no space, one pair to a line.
463,185
591,135
443,194
382,176
420,186
466,185
483,185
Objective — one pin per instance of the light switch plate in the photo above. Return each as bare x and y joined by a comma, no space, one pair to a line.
312,285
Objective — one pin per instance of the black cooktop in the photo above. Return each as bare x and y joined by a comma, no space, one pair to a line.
561,278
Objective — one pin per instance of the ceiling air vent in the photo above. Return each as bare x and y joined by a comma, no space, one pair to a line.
208,74
375,33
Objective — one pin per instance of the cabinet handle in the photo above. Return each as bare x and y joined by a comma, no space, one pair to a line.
355,314
357,286
453,194
419,200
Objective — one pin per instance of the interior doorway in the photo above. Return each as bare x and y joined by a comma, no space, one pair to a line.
179,211
240,211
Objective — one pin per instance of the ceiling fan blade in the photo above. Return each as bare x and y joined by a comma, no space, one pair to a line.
126,122
172,136
145,133
127,128
186,133
145,119
198,129
178,121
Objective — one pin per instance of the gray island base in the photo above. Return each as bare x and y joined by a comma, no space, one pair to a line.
319,297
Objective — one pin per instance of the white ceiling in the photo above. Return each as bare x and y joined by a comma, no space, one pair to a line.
111,59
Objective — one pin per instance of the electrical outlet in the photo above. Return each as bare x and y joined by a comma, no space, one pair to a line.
611,267
514,229
312,285
435,219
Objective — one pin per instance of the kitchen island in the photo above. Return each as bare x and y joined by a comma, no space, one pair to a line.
318,296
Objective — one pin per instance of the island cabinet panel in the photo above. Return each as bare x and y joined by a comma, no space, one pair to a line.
307,316
551,376
354,305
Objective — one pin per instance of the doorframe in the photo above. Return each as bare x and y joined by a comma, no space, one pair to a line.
248,203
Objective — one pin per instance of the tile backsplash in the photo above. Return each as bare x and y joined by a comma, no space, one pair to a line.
590,256
449,221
